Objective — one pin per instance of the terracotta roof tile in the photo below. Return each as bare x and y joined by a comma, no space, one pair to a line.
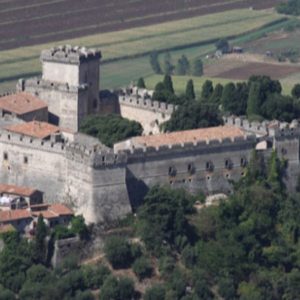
35,129
21,103
188,136
60,209
13,215
16,190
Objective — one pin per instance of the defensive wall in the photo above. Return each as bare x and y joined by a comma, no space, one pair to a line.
93,182
150,114
207,166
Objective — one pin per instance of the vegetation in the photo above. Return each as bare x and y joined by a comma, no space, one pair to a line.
222,45
23,62
110,129
292,7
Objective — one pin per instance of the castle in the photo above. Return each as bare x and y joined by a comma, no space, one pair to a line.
41,147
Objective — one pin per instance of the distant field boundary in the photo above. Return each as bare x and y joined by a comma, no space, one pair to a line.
195,44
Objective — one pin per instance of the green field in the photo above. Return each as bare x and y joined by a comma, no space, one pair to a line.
193,36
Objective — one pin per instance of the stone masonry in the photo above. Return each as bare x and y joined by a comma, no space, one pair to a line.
105,184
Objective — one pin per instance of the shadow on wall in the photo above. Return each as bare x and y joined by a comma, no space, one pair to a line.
137,190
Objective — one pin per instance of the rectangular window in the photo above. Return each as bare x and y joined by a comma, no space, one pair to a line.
25,160
5,156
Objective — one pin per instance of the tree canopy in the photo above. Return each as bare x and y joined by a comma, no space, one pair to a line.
110,129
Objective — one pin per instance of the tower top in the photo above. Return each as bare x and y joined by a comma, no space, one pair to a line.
70,55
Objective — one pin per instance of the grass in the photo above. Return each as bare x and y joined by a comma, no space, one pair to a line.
198,32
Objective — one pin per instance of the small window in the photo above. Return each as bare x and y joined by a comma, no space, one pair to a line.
5,156
228,164
243,162
209,166
25,160
191,168
172,171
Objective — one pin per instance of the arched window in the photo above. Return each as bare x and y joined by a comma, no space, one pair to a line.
243,162
209,166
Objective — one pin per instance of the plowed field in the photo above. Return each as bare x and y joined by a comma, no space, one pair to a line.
30,22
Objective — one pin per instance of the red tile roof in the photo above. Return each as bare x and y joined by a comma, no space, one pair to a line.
35,129
14,215
53,211
188,136
21,103
16,190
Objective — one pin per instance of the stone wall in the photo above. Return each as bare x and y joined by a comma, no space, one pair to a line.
145,111
202,166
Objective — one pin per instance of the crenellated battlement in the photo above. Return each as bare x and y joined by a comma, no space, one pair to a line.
147,104
70,55
270,128
32,143
95,157
202,146
36,83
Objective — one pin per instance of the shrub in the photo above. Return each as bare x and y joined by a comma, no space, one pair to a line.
142,268
118,252
156,292
117,289
94,276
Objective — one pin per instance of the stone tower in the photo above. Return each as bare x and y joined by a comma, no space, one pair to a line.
69,84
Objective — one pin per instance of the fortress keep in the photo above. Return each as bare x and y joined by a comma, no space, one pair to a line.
105,184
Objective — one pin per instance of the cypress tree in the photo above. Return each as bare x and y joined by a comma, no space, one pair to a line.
141,83
217,94
197,67
180,70
168,84
168,66
228,97
207,90
296,91
190,92
253,103
155,63
39,248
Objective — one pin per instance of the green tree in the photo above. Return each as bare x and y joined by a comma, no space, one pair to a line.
117,289
164,211
183,66
141,83
207,90
222,45
155,292
254,103
228,99
168,66
142,268
39,245
296,91
168,84
155,63
197,67
118,252
189,91
110,129
192,115
217,94
79,227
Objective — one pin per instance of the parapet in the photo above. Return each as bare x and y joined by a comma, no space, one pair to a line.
147,104
39,83
204,146
95,157
266,128
51,145
70,55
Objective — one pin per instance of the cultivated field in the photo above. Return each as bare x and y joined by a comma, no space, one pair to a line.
128,44
33,22
275,71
